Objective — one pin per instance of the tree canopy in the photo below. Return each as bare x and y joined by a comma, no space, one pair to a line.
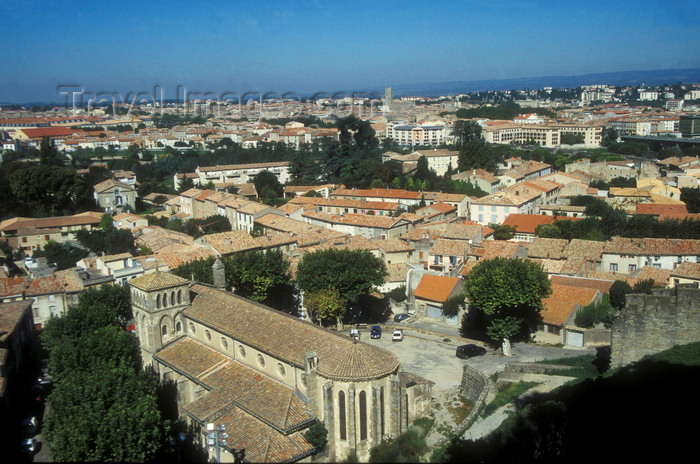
508,294
103,406
350,272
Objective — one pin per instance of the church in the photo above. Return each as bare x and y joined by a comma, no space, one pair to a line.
267,376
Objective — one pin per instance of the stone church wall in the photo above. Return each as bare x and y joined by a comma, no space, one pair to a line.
653,323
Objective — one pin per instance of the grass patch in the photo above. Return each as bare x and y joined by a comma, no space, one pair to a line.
424,424
460,408
407,447
581,366
446,340
507,395
686,355
438,453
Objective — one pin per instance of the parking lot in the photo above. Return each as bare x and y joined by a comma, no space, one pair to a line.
431,354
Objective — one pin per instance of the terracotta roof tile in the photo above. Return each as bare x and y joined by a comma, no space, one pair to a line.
436,288
563,300
262,327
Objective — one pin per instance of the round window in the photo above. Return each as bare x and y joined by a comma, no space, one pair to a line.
241,350
281,370
261,360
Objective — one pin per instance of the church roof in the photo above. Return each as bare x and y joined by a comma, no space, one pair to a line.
288,338
157,281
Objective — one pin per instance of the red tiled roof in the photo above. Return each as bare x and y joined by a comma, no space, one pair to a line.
436,288
563,300
527,223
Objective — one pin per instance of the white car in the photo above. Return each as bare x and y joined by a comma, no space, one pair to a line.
397,336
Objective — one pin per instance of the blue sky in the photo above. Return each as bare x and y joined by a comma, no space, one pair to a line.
313,46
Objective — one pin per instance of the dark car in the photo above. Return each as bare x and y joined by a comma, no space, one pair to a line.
469,351
376,332
401,316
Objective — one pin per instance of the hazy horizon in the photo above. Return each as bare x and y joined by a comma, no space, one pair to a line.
307,47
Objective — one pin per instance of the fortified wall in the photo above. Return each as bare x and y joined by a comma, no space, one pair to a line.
652,323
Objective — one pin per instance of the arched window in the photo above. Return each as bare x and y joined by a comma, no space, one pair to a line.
341,415
164,330
208,335
363,415
158,302
178,327
172,297
165,300
179,297
381,407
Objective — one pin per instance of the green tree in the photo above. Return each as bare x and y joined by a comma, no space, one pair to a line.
317,435
325,304
103,407
466,131
508,294
596,313
262,276
618,291
351,272
62,255
476,154
50,190
451,306
503,231
548,231
644,286
109,241
48,153
199,270
104,414
268,187
610,137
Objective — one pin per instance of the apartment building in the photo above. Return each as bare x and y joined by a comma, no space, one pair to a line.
496,207
242,173
546,135
412,135
626,255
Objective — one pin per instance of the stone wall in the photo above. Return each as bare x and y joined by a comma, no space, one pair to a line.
473,384
653,323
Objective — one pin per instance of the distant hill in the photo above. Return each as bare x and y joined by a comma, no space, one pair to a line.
652,77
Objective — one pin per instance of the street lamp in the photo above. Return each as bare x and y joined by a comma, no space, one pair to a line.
216,438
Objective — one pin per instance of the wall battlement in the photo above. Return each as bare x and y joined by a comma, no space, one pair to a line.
652,323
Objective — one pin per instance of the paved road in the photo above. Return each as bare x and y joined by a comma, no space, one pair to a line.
428,350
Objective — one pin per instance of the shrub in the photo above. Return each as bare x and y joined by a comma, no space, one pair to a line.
595,313
317,435
398,294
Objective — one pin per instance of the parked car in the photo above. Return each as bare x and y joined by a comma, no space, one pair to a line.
29,426
397,336
30,446
401,316
469,351
376,332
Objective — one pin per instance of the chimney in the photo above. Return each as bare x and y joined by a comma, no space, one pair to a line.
219,272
